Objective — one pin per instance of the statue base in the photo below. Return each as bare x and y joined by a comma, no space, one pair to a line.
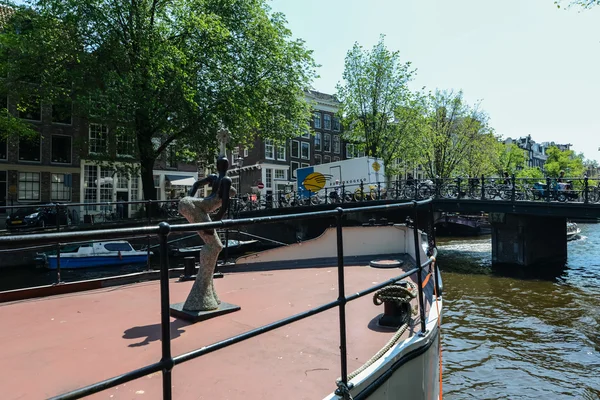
177,311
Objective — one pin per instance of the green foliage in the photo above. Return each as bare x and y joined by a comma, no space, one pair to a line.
511,158
530,175
176,70
377,107
566,161
453,132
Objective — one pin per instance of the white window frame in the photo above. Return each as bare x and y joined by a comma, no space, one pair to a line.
327,122
71,149
325,161
336,159
349,150
292,170
235,154
129,141
317,120
319,141
269,178
65,189
245,152
35,120
92,141
335,140
269,147
39,185
297,155
336,124
319,158
304,165
279,174
305,145
281,152
325,140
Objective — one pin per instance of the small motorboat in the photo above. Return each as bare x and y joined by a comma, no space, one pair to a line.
97,254
233,247
573,231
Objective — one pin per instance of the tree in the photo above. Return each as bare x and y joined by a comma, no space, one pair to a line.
530,175
511,158
177,71
452,131
482,157
566,161
376,105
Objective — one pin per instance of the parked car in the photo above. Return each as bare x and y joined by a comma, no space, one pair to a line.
29,217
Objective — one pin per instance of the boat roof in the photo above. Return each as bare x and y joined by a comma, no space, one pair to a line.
70,341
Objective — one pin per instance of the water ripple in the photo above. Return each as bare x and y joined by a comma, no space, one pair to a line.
506,338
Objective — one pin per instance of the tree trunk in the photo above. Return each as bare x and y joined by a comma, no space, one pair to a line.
147,159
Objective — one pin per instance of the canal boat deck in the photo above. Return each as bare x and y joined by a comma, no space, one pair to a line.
53,345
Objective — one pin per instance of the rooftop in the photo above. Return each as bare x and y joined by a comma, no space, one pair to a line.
57,344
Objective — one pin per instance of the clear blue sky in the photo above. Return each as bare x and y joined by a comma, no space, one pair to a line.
535,68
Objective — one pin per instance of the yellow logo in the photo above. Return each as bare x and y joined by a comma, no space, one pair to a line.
376,166
314,182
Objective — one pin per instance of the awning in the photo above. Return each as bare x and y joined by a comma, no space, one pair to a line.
181,180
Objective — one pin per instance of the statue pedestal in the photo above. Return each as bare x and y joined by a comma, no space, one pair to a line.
177,311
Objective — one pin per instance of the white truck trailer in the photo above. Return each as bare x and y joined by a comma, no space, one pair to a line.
350,173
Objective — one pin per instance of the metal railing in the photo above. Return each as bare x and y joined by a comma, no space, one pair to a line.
168,362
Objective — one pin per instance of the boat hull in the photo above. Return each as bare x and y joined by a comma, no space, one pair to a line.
96,261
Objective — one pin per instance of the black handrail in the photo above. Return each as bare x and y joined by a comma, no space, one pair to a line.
167,362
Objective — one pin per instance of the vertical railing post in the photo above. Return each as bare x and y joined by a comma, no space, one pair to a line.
548,190
378,190
165,321
458,186
148,216
482,187
586,188
341,299
58,278
226,253
362,191
326,196
513,188
432,246
343,192
420,272
397,188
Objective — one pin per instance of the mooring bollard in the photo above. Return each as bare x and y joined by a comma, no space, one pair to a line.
189,267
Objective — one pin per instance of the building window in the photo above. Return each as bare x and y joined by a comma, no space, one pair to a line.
280,174
235,154
3,148
336,124
30,148
235,182
122,181
268,178
281,152
305,151
30,108
317,120
295,149
98,138
125,142
304,165
327,121
61,187
353,151
90,178
106,184
157,186
245,152
269,149
336,144
336,159
29,186
318,159
327,142
61,149
318,141
294,166
327,159
135,188
62,111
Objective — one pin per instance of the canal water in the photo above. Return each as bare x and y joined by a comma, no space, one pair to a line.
515,337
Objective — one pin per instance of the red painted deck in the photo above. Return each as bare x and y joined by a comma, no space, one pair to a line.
53,345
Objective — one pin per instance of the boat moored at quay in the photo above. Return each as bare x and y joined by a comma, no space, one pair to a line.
352,314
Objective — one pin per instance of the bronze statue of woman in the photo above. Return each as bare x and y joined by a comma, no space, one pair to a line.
203,297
